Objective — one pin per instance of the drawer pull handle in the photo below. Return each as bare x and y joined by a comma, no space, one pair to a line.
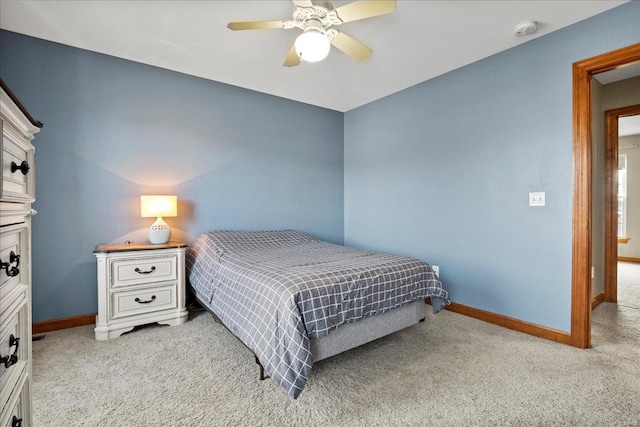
14,271
13,358
153,268
16,422
153,297
24,167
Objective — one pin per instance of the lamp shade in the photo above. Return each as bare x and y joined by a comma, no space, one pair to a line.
312,45
155,206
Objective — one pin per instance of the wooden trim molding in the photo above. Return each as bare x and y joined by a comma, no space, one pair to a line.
63,323
611,239
610,206
623,240
628,259
511,323
582,188
581,256
597,300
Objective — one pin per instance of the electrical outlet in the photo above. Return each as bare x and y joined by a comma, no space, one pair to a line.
536,199
436,269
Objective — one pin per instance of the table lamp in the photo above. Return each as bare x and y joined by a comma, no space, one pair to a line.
159,206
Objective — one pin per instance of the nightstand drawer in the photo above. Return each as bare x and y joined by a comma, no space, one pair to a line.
14,342
144,301
144,270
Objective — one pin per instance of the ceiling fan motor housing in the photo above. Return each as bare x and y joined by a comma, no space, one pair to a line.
304,15
313,24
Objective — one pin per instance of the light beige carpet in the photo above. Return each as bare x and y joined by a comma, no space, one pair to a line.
629,284
450,370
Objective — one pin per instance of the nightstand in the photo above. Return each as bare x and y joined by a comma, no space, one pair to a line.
139,284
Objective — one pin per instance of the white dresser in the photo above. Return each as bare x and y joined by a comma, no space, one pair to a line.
17,192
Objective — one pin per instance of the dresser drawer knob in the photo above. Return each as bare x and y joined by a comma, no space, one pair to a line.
153,297
14,271
12,359
24,167
16,422
153,268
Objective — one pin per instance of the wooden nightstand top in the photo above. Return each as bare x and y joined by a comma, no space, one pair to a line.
125,247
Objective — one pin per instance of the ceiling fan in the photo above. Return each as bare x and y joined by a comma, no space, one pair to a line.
317,36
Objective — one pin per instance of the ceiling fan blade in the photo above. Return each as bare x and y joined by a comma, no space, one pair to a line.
303,3
365,9
351,46
254,25
292,58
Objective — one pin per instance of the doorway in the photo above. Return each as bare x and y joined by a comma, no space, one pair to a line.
582,175
612,162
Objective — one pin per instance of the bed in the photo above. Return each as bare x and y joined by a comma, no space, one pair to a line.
293,299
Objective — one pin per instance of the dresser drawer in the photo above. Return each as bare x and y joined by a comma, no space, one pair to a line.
142,270
14,342
17,165
144,301
17,412
14,258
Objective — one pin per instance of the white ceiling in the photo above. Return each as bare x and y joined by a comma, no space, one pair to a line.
421,40
629,125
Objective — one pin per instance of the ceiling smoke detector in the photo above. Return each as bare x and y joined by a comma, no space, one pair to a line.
526,28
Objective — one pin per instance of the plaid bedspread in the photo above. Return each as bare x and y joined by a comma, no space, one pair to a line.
277,289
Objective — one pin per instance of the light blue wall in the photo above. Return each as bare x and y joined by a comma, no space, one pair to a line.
442,171
115,129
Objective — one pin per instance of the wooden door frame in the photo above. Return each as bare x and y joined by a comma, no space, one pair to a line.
611,199
582,171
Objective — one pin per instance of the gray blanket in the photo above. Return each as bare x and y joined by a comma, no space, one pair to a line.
277,289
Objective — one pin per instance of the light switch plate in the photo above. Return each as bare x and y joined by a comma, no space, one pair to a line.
537,199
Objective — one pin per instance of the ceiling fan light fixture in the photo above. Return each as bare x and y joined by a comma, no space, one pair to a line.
317,36
312,45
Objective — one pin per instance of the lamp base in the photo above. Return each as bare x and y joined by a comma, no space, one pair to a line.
159,232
